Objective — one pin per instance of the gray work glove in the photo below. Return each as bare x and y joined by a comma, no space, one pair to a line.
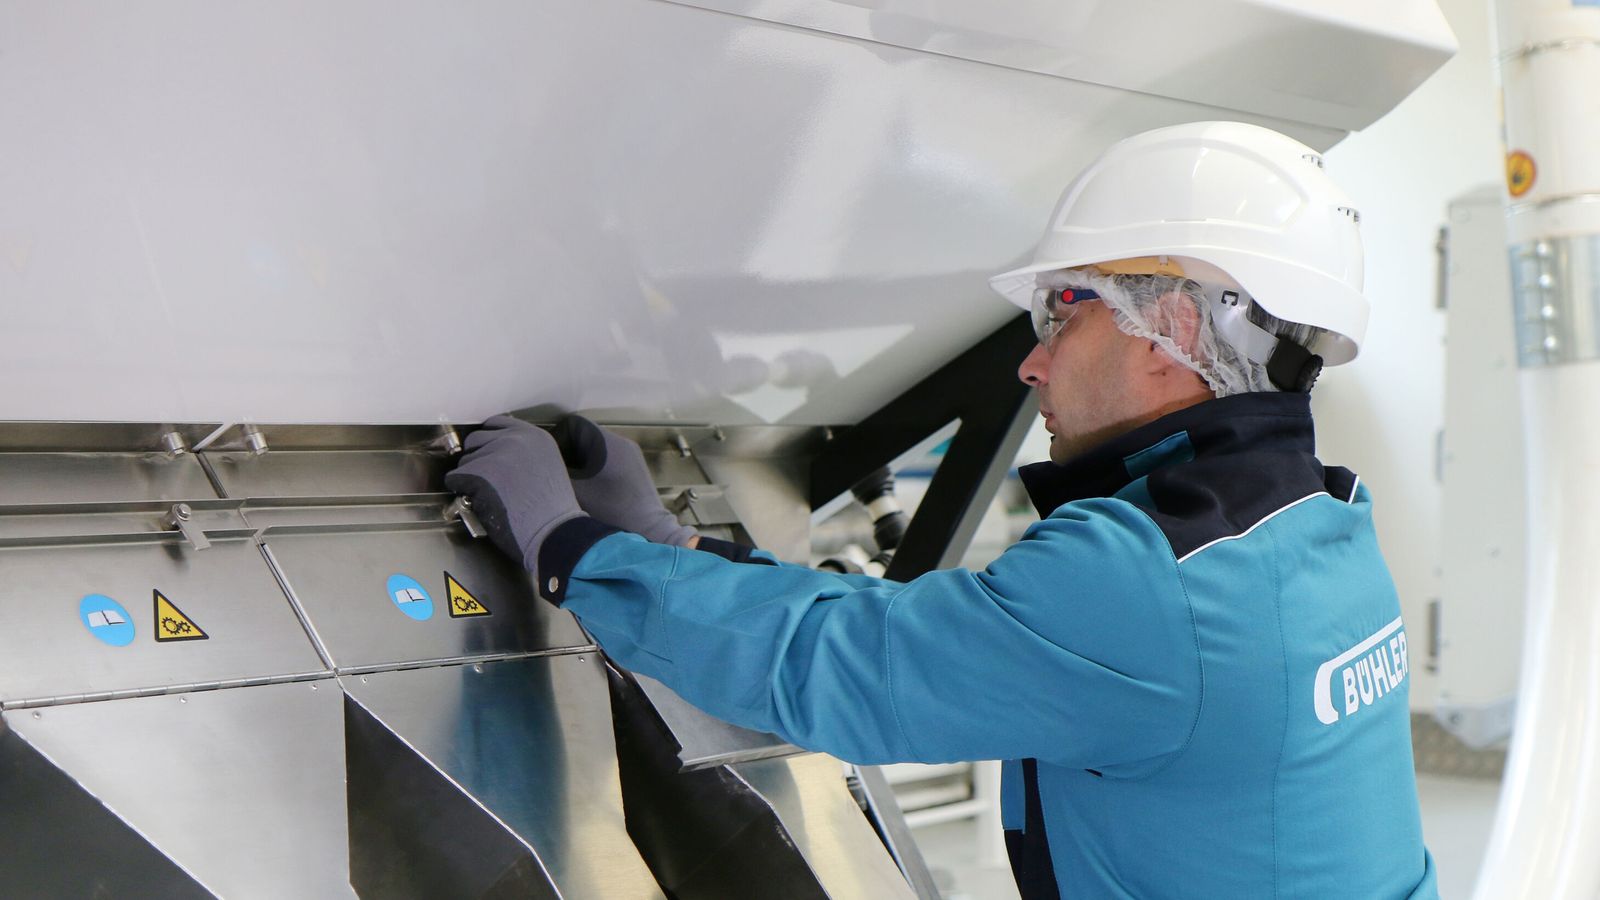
514,476
613,484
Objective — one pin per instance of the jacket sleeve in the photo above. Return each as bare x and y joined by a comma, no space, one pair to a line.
1075,646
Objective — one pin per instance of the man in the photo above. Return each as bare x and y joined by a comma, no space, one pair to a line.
1194,664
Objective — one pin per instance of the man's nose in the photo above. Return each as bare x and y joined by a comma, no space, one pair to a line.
1035,370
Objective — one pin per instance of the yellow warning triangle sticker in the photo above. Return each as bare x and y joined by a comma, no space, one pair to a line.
172,624
462,603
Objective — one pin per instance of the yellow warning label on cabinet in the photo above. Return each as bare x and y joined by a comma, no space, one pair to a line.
462,603
1520,173
172,624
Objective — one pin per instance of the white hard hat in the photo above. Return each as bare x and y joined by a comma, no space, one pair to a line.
1247,200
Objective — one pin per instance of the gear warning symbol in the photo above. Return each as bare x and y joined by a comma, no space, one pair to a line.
462,603
172,624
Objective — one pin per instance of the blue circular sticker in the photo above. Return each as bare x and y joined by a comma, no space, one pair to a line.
106,619
412,598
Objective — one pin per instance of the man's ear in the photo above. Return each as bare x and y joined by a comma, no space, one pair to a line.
1160,361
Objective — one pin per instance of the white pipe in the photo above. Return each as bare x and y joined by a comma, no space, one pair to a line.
1546,834
1545,839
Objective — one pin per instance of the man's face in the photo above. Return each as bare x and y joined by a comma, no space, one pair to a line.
1090,381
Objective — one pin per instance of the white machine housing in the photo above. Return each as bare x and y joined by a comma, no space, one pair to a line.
357,213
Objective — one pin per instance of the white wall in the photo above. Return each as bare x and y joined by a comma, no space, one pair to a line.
1380,415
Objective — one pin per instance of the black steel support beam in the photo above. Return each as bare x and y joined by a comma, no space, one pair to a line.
979,389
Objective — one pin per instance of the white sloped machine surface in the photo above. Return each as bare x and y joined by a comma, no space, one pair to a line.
310,212
263,262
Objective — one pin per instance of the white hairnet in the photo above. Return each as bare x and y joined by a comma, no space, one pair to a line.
1173,312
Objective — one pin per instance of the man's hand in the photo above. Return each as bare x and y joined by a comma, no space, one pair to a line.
514,475
613,484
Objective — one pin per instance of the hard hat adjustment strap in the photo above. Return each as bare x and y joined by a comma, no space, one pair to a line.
1292,367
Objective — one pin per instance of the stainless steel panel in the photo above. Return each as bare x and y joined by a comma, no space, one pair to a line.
59,841
244,789
341,580
704,833
878,798
290,436
227,592
93,437
704,740
57,478
530,740
415,833
812,800
769,497
319,473
143,521
337,512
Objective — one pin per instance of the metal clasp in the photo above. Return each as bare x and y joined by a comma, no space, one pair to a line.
181,517
461,508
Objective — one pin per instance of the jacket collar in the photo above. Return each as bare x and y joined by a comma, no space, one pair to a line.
1253,422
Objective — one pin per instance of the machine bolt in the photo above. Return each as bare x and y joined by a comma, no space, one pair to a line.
448,442
172,445
255,440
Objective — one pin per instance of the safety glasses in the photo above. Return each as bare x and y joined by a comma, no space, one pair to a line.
1053,308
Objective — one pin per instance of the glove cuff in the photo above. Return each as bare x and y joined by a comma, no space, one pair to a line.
562,549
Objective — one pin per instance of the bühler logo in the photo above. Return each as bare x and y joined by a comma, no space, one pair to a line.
1362,674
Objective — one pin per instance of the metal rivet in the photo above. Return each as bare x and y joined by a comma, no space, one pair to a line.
183,699
553,585
478,668
37,716
580,659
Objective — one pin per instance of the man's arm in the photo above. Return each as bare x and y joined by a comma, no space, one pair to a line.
1075,646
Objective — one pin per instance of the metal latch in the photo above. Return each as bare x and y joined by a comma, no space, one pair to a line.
705,504
181,517
461,508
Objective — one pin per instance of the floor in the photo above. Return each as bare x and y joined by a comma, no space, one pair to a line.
1456,816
